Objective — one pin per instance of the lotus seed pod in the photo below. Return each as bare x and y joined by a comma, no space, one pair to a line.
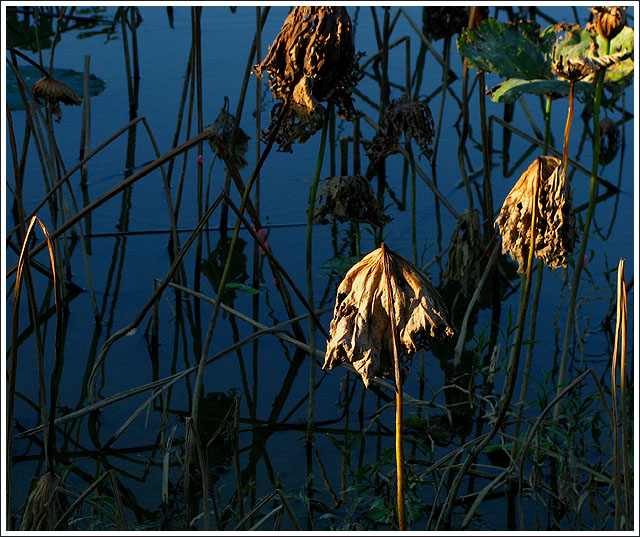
609,20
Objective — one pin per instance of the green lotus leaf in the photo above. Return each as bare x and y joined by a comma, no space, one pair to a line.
505,50
509,90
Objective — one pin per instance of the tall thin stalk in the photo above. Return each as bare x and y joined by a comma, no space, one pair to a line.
593,192
313,192
535,302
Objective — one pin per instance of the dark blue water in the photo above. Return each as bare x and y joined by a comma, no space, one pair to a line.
124,267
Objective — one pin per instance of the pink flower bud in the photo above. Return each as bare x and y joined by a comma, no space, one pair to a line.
200,160
275,282
584,261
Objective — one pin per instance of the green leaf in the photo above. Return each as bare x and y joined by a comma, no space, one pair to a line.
510,90
505,50
73,79
243,288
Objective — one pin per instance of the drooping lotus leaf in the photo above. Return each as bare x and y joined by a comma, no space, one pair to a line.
572,41
509,90
349,198
555,222
507,50
70,78
382,294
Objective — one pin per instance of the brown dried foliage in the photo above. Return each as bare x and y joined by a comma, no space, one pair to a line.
45,505
312,60
54,92
361,330
466,249
555,234
413,118
349,198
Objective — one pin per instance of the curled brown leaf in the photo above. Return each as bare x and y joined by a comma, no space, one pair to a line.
555,234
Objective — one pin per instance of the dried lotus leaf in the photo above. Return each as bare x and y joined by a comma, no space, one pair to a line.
54,91
555,235
45,505
465,251
408,117
349,198
312,60
361,330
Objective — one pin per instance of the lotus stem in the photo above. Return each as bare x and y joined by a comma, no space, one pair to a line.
567,128
313,191
536,298
402,525
593,192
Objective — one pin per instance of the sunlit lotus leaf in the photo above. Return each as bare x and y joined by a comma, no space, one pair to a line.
555,234
361,329
510,90
506,49
45,505
465,251
349,198
403,116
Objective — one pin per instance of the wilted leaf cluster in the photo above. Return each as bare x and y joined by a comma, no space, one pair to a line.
312,60
381,285
465,250
555,230
349,198
403,115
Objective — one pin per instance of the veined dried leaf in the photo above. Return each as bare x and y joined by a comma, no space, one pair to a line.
555,235
465,252
349,198
361,330
413,118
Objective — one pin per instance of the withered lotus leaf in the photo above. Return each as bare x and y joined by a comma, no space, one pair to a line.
54,92
45,505
361,329
349,198
555,234
465,250
312,60
403,115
